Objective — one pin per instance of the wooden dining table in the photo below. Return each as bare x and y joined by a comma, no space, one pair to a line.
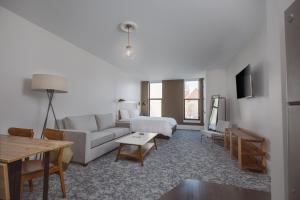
14,149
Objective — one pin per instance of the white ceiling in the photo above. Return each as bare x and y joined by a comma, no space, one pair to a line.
175,38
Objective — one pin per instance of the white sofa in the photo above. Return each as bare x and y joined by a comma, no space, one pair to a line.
93,135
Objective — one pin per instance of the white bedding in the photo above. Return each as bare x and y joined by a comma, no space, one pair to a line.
161,125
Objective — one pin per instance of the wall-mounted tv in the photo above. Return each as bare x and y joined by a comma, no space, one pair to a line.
244,83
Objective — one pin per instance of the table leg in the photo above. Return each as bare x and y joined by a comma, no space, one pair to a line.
231,145
154,140
225,140
141,155
14,173
240,158
119,151
46,175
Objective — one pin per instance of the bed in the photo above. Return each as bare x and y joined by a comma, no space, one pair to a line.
128,115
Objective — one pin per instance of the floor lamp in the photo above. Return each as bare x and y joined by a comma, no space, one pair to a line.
50,84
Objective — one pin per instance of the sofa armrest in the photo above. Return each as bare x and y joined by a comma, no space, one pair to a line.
81,143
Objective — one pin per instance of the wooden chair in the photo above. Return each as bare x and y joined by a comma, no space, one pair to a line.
4,185
22,132
32,169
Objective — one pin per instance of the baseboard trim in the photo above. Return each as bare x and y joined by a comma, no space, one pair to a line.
190,127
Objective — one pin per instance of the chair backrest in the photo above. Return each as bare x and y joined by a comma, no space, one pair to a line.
222,125
52,134
56,156
22,132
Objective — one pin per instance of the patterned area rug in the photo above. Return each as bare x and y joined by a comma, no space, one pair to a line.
181,157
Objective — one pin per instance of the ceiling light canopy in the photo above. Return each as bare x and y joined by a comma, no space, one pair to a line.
128,27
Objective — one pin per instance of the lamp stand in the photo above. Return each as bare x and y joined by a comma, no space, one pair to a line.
50,94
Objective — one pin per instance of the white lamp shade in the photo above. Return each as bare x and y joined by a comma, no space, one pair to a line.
44,82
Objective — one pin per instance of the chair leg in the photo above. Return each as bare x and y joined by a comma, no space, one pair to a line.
21,188
30,185
62,183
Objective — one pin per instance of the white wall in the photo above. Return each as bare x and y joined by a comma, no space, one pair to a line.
215,84
253,113
94,85
265,113
276,59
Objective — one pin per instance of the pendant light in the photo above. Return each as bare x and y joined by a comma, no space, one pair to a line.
128,49
128,27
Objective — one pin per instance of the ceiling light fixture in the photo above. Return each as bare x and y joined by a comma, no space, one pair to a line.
128,27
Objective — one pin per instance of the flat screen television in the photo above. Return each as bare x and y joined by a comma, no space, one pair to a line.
244,83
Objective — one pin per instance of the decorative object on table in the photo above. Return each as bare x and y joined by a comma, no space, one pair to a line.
128,27
50,84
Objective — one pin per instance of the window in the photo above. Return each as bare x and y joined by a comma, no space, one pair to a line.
155,99
191,100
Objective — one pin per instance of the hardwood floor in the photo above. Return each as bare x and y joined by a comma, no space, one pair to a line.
199,190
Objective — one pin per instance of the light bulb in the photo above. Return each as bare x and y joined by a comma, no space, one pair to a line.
128,51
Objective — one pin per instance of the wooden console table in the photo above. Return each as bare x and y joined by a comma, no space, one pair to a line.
247,148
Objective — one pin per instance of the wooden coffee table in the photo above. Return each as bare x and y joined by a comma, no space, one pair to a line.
143,143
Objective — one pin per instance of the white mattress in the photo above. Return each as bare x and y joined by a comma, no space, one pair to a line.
161,125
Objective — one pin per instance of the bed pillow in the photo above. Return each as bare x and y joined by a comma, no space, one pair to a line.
124,114
134,113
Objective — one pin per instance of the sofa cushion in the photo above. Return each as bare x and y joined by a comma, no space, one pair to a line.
124,114
105,121
60,124
101,137
119,131
84,122
134,113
